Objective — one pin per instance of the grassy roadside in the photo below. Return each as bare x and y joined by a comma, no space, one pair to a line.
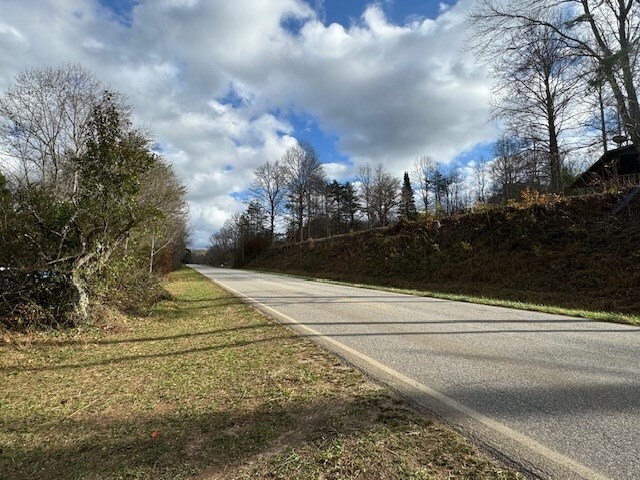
208,388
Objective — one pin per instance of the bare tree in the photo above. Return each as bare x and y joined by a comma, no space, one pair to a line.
607,32
536,88
384,194
379,192
508,169
422,176
480,174
604,117
304,176
456,187
162,191
268,187
44,118
226,243
365,179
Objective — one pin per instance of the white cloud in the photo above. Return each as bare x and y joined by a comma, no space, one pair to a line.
11,34
388,92
338,170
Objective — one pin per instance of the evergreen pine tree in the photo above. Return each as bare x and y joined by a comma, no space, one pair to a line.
407,206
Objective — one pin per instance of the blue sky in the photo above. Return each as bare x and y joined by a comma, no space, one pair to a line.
344,12
398,11
121,8
225,85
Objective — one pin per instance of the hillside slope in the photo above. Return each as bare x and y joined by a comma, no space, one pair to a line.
571,252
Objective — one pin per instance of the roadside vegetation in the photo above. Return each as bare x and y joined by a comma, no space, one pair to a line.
207,387
547,252
90,215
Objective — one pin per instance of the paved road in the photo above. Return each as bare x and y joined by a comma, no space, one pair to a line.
559,396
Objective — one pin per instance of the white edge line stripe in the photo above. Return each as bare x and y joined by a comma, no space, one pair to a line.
525,440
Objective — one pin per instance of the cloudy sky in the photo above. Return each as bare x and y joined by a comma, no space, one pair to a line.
225,85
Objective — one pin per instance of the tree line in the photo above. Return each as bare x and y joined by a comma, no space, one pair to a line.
292,200
565,76
565,79
90,214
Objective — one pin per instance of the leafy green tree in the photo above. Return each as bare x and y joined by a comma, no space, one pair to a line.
106,206
73,235
349,205
254,233
85,192
342,206
441,186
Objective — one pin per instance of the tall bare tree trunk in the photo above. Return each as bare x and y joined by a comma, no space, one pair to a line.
153,246
80,296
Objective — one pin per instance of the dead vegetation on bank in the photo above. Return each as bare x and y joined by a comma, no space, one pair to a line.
567,252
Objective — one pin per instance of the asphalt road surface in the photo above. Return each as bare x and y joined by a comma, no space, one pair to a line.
557,396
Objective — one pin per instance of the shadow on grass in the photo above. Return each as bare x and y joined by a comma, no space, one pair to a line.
217,443
103,447
287,335
221,331
134,358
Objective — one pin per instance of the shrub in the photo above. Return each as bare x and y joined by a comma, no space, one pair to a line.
35,299
128,286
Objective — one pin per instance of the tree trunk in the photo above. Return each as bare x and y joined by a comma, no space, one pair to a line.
301,217
633,120
628,108
80,296
603,121
555,168
272,226
153,246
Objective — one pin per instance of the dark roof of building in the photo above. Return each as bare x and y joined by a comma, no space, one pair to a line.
628,162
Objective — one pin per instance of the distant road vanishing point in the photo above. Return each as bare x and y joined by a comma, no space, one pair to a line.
557,396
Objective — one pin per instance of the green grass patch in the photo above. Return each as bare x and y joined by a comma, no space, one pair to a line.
206,387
